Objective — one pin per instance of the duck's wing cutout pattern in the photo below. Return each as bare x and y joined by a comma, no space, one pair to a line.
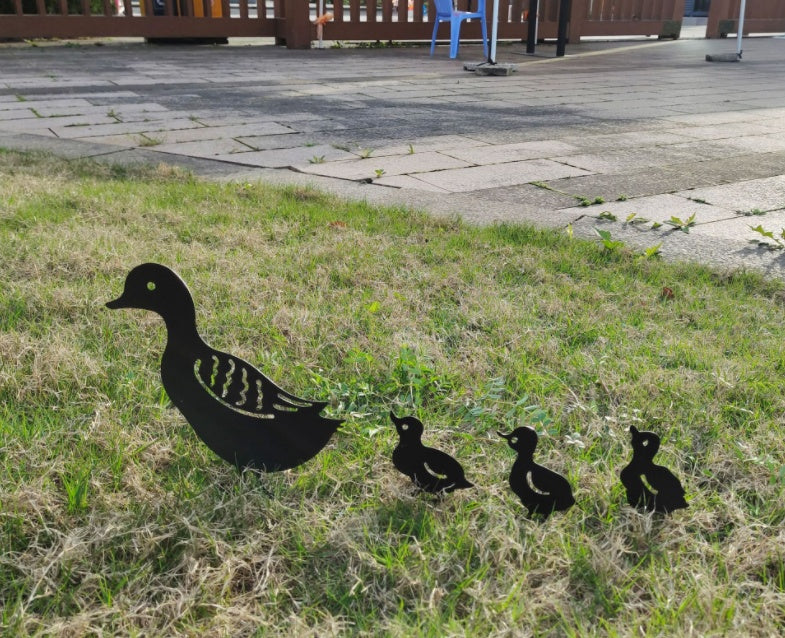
242,388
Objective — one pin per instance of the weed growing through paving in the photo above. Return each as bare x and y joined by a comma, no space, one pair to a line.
115,519
683,225
316,159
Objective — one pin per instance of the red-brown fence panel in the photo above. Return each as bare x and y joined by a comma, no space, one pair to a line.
761,16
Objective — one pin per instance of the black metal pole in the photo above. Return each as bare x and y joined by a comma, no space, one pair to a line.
531,36
565,7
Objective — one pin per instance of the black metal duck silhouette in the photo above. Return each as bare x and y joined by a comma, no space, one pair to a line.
431,470
238,412
541,490
666,493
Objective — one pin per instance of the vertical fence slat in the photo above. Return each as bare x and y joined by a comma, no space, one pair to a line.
243,9
40,7
354,10
387,10
417,10
338,10
108,10
403,10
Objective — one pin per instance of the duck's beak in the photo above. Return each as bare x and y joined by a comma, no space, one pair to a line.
120,302
503,435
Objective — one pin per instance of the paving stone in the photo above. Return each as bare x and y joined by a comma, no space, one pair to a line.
530,196
724,131
616,141
116,128
56,124
282,158
658,208
758,143
207,148
408,181
761,194
498,175
391,165
628,159
502,153
740,227
435,143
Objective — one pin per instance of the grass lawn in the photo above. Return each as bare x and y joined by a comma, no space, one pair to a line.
116,520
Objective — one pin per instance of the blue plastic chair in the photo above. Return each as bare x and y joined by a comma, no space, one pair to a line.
446,13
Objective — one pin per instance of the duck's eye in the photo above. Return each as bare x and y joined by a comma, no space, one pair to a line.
514,440
150,285
645,443
404,427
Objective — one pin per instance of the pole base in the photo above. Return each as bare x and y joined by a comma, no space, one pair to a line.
490,68
723,57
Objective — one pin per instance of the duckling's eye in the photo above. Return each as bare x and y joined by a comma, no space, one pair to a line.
645,443
404,427
150,285
514,440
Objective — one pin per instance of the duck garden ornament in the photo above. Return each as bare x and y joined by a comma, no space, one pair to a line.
542,491
431,470
664,492
239,413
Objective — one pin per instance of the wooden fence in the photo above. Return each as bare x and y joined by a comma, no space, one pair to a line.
291,21
761,16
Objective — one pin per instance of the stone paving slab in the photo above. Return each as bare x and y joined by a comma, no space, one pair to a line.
741,227
444,143
502,153
208,148
494,176
281,158
391,165
658,208
69,123
647,120
757,194
114,127
758,143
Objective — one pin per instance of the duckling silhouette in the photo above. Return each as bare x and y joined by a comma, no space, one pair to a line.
668,494
541,490
431,470
239,413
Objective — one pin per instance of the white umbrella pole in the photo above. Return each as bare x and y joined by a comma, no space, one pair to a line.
494,32
740,29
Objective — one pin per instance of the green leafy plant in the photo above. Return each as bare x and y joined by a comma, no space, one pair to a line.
606,214
652,251
608,242
779,240
622,198
366,153
411,149
633,218
317,159
379,172
683,225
